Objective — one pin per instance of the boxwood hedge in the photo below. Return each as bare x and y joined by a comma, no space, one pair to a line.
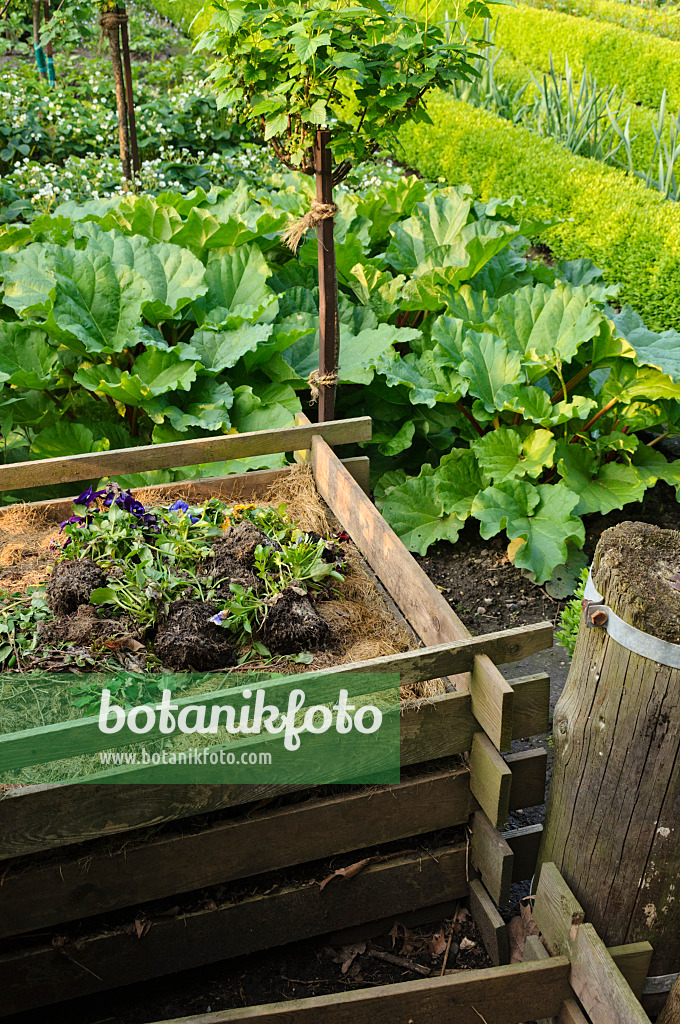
663,21
629,231
193,16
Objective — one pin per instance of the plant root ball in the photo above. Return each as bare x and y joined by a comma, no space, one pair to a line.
83,627
292,624
240,542
224,569
188,641
71,584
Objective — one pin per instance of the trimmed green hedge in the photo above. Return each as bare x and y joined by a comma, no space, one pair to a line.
629,231
183,12
664,21
642,64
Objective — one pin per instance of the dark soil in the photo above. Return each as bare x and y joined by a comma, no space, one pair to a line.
292,623
240,541
83,627
188,641
225,569
71,584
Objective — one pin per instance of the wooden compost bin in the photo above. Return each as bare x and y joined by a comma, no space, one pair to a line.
90,877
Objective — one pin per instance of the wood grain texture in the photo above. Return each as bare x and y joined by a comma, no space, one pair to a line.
419,600
614,805
599,984
528,777
40,975
557,912
492,858
633,961
93,465
510,994
490,779
531,705
535,951
490,924
96,880
571,1013
233,487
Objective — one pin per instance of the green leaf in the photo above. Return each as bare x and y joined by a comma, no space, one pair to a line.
394,444
651,349
432,237
427,382
540,515
206,406
236,285
153,373
271,406
275,126
29,281
65,438
626,382
27,360
652,465
538,321
600,489
503,454
220,350
489,366
416,514
458,481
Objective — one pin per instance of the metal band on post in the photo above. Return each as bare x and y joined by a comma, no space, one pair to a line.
601,616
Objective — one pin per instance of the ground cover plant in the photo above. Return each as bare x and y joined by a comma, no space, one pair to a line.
185,588
518,390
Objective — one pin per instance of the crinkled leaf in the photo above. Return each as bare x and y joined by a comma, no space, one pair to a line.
220,350
432,237
489,366
392,444
153,373
29,281
27,360
458,480
602,489
264,408
626,382
236,283
416,514
206,406
427,382
503,454
65,438
540,515
651,349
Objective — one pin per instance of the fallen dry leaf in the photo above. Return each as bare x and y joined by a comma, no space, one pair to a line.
466,943
348,954
142,926
518,929
349,872
437,944
460,918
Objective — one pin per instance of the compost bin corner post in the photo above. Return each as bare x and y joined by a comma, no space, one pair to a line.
329,329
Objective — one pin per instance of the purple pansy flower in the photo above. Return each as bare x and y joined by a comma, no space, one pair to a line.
180,506
88,496
72,519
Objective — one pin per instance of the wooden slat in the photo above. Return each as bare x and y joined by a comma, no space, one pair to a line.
528,777
83,736
534,952
93,465
531,706
596,980
571,1013
490,779
101,879
510,994
421,603
524,843
492,858
557,912
236,485
40,975
633,960
599,984
491,925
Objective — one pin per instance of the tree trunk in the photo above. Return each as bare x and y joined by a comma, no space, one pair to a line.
613,819
110,22
127,71
329,328
37,46
671,1011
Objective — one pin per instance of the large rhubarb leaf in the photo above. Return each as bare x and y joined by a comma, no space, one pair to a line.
504,454
490,366
600,489
416,514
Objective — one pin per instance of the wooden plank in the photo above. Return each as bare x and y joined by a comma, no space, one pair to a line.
40,975
557,912
535,951
532,705
492,858
528,777
82,736
596,980
256,482
524,843
510,994
99,879
93,465
633,960
490,923
571,1013
493,700
421,603
599,984
490,779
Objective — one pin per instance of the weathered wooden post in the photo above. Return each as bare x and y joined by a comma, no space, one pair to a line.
329,329
613,820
